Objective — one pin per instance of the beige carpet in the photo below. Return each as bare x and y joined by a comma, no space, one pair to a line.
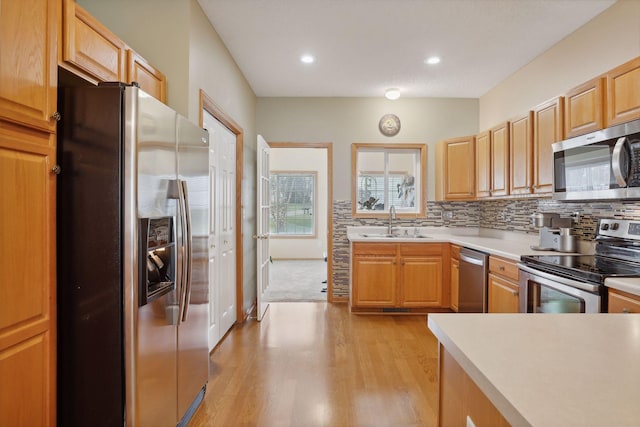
294,281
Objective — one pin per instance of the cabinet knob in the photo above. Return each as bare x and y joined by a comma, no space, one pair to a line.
56,116
515,293
56,169
626,311
501,268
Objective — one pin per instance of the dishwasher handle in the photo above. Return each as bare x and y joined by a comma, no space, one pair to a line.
470,260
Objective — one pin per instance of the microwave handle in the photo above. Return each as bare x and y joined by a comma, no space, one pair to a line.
616,162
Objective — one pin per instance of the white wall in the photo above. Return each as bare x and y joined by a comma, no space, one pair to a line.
608,40
303,160
344,121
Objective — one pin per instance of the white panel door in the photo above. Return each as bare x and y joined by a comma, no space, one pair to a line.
222,261
262,233
227,235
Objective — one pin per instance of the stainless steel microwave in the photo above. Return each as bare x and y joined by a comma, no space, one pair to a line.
600,165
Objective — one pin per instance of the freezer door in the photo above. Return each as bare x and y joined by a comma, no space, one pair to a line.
193,172
150,131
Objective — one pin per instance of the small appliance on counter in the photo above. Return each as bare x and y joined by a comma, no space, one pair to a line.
555,232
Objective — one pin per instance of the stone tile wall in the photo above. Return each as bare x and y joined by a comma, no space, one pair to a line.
507,214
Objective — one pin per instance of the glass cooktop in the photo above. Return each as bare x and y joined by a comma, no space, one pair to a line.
593,268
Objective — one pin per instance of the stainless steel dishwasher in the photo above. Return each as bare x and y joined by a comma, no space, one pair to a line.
472,285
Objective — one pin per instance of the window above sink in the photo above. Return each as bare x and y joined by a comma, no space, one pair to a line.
385,175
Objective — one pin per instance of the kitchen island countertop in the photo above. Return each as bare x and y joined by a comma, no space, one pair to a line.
550,370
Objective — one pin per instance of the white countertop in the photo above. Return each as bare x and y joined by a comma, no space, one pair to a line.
631,285
553,369
507,244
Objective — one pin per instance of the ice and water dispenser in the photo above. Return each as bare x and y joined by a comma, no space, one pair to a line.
157,246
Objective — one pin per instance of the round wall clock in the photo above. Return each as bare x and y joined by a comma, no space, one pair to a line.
389,125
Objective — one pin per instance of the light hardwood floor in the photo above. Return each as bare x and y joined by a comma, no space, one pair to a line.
314,364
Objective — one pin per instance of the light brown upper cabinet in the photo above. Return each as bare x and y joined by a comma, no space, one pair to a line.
28,42
500,160
483,164
520,154
89,49
548,127
150,79
456,174
584,108
623,93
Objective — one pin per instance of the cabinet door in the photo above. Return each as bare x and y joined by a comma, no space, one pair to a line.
374,281
28,62
520,154
503,295
623,302
623,93
584,108
548,128
483,164
27,277
500,160
150,79
89,48
461,400
455,283
421,282
459,171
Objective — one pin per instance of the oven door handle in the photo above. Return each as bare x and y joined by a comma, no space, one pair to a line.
559,279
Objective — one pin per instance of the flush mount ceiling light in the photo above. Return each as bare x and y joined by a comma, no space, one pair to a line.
432,60
392,93
307,59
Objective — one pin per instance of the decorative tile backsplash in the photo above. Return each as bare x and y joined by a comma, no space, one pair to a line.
505,214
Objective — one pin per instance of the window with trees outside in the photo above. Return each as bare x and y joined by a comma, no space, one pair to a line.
386,175
293,204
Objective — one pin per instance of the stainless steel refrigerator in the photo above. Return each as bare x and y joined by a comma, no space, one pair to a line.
132,230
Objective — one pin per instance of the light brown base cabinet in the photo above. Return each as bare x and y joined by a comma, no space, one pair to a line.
399,275
503,287
455,276
623,302
460,398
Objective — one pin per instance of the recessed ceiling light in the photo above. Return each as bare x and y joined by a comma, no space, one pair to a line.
432,60
307,59
392,93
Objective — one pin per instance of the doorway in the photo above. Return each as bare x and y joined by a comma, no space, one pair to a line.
301,222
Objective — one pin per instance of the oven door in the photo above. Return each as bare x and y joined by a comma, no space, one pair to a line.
542,292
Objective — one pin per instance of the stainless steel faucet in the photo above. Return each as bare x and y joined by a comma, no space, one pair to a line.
392,216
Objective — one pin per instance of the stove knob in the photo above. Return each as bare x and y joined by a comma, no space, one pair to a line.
604,227
615,226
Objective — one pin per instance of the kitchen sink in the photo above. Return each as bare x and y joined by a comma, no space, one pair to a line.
394,236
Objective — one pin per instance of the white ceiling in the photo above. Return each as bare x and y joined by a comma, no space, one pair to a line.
363,47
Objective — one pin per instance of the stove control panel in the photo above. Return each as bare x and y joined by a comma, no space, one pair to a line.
621,228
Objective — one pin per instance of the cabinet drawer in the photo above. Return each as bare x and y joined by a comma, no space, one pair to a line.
623,302
455,252
504,268
374,248
420,249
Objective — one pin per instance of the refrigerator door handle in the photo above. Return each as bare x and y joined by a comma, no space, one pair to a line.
183,248
189,251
